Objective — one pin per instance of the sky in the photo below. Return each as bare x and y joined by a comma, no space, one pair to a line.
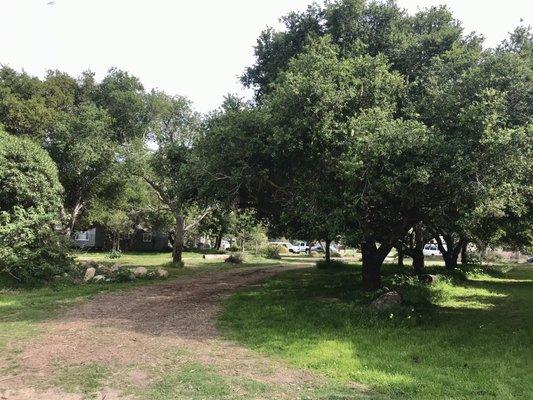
195,48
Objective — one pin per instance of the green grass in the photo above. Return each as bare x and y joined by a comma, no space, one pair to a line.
155,259
86,379
455,339
196,382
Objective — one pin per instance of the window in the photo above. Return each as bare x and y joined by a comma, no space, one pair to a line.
147,237
82,236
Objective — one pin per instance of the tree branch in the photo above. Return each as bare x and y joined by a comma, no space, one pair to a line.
198,219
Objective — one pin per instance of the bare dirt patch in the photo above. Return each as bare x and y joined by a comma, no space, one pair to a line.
147,328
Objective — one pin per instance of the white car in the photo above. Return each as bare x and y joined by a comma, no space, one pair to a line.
288,245
431,250
302,247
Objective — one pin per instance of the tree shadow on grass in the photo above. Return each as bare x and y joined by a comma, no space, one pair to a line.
453,339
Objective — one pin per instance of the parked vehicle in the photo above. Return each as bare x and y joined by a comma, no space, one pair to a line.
431,250
302,247
320,249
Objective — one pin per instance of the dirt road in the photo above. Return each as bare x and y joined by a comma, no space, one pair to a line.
138,335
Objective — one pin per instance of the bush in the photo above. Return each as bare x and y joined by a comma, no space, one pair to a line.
234,248
30,200
272,252
330,265
282,249
123,275
115,254
235,258
473,258
30,249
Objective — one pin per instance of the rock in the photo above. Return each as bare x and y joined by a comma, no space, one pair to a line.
58,277
139,272
115,268
89,274
103,269
98,278
387,300
162,273
427,278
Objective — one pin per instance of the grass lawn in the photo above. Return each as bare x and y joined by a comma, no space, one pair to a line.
455,339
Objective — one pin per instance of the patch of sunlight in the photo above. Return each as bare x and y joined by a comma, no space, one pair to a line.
467,297
10,303
472,304
332,354
382,378
487,278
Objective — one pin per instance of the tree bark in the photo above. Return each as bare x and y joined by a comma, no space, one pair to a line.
464,253
177,245
328,250
399,248
73,218
218,243
450,254
418,251
373,258
418,261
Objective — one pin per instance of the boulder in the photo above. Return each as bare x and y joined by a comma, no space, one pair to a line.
427,278
89,274
139,272
103,269
99,278
162,273
115,268
387,301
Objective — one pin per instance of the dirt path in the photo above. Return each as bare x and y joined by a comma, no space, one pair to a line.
138,335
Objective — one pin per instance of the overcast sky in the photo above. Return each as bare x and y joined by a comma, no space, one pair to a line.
196,48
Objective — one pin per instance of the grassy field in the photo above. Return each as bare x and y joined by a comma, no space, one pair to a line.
456,339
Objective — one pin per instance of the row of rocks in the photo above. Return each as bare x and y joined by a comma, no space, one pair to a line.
139,272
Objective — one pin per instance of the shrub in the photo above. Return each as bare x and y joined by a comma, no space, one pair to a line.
123,275
272,252
235,258
282,249
30,200
330,265
473,258
115,254
234,248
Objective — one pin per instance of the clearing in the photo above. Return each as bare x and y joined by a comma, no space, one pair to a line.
268,330
157,341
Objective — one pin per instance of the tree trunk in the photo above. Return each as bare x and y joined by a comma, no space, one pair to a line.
328,250
399,248
450,254
418,251
177,245
73,218
418,261
372,260
464,253
218,243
